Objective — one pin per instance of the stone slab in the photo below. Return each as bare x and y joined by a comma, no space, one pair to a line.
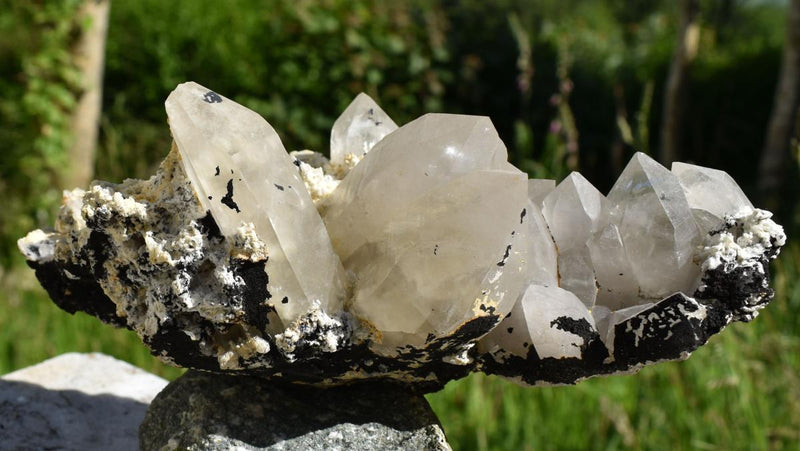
75,401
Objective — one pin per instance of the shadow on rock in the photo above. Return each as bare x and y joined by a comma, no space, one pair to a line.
34,417
212,411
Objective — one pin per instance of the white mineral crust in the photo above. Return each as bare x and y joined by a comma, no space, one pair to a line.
744,244
242,174
424,222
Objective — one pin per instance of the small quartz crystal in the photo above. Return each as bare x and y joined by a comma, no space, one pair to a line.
541,253
362,125
575,210
548,321
711,194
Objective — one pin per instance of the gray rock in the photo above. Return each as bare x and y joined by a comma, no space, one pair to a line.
75,401
205,411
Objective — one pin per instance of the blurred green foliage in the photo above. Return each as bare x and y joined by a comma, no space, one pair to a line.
40,83
557,77
297,63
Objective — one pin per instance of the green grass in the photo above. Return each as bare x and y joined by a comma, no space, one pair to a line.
741,391
33,329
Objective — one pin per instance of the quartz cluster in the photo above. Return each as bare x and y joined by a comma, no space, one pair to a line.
416,253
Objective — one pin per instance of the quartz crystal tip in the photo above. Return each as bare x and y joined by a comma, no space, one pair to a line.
426,222
362,125
245,178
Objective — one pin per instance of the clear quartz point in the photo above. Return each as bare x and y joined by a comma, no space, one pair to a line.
540,249
657,228
427,223
538,189
242,174
362,124
617,285
575,210
607,319
577,275
711,193
538,320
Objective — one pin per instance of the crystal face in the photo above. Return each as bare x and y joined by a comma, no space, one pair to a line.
415,253
362,124
656,225
223,146
711,194
422,220
575,210
545,320
538,189
616,281
541,253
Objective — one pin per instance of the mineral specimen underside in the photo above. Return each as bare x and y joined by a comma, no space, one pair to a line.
416,253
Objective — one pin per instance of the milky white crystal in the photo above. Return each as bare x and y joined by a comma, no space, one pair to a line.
362,124
538,189
575,210
606,320
541,254
711,193
657,227
616,281
242,174
426,225
543,308
540,320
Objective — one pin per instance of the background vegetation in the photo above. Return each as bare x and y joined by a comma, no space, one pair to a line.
569,85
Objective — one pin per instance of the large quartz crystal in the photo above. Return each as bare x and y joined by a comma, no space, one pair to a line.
426,224
415,253
223,147
656,226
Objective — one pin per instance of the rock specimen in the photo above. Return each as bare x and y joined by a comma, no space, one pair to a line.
217,412
416,253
